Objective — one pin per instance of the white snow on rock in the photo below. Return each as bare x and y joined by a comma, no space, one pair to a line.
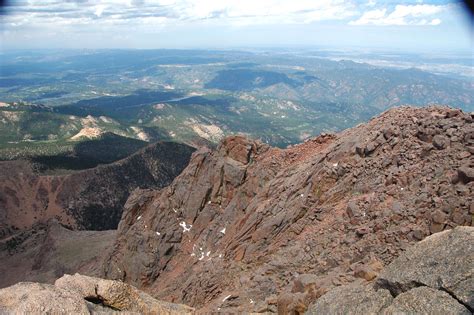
224,299
222,231
202,256
186,228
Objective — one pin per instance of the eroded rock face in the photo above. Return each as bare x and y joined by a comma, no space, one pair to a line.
435,276
83,295
242,222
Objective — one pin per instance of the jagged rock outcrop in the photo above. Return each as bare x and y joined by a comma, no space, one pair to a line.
435,276
91,199
242,223
83,295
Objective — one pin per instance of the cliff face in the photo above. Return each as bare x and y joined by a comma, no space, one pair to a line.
241,223
92,199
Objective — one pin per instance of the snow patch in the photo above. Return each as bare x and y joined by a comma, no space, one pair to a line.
186,228
223,230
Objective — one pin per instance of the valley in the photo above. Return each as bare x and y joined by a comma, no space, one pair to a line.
53,99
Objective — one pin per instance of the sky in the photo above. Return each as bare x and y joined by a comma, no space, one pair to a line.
408,26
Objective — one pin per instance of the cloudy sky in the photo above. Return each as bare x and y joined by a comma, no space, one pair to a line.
417,25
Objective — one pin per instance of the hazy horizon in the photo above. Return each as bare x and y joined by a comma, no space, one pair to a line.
433,26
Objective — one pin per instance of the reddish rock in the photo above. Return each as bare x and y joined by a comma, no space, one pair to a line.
436,227
291,303
247,218
438,216
365,272
440,142
466,174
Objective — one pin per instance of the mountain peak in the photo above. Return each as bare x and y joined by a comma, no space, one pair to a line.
329,206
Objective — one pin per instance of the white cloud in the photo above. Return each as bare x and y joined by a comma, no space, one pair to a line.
99,10
419,14
136,12
371,3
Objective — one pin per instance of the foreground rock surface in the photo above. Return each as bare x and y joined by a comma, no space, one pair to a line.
37,298
443,261
82,295
242,223
435,276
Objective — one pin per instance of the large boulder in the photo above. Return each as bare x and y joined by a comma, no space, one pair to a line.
352,299
435,276
420,301
443,261
83,295
38,298
118,295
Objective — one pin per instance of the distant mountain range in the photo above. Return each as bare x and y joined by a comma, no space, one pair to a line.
59,98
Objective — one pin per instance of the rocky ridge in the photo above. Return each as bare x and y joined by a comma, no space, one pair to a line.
91,199
248,227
